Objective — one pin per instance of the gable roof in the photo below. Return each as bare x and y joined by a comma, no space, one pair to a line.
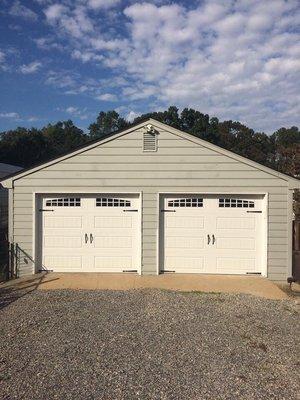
294,182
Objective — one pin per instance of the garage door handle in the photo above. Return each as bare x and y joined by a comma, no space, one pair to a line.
130,210
208,239
86,238
213,239
91,238
168,210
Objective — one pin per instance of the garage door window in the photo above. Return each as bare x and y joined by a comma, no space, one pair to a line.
188,202
64,202
112,202
235,203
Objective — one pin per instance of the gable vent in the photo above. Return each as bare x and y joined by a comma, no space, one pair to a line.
149,141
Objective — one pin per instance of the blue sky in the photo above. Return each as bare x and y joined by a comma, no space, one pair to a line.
70,59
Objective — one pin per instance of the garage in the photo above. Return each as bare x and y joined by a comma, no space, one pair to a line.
151,199
223,234
90,233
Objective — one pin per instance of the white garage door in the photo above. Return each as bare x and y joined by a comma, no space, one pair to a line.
96,233
212,234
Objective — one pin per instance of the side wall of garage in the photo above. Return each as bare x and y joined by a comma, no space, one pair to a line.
179,165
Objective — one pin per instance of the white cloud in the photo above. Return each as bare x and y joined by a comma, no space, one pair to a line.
131,116
232,59
2,57
86,56
33,119
71,110
12,115
71,21
15,27
19,10
54,12
100,44
62,79
107,97
43,2
98,4
76,112
30,68
48,43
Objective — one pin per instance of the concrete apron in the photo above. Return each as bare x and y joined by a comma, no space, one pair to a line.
254,285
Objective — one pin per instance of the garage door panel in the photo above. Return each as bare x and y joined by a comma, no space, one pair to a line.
185,222
181,252
113,263
63,242
185,264
112,222
239,243
187,233
63,262
235,222
62,222
113,242
185,242
235,265
113,232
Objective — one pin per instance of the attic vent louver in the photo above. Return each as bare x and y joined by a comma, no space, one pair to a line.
149,141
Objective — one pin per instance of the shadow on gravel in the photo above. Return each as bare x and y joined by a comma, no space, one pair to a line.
15,290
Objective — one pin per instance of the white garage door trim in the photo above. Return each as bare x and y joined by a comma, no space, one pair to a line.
160,216
37,233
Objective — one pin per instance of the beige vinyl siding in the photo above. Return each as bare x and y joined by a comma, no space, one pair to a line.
179,165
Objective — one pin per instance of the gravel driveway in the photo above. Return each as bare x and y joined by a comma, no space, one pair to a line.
147,344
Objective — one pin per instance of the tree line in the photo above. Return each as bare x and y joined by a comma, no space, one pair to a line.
280,150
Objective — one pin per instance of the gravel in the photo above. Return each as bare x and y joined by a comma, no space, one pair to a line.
147,344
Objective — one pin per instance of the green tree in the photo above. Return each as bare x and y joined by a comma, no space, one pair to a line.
286,137
194,122
107,122
23,147
63,137
244,141
170,117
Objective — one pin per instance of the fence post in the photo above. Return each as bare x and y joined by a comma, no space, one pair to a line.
11,260
296,235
